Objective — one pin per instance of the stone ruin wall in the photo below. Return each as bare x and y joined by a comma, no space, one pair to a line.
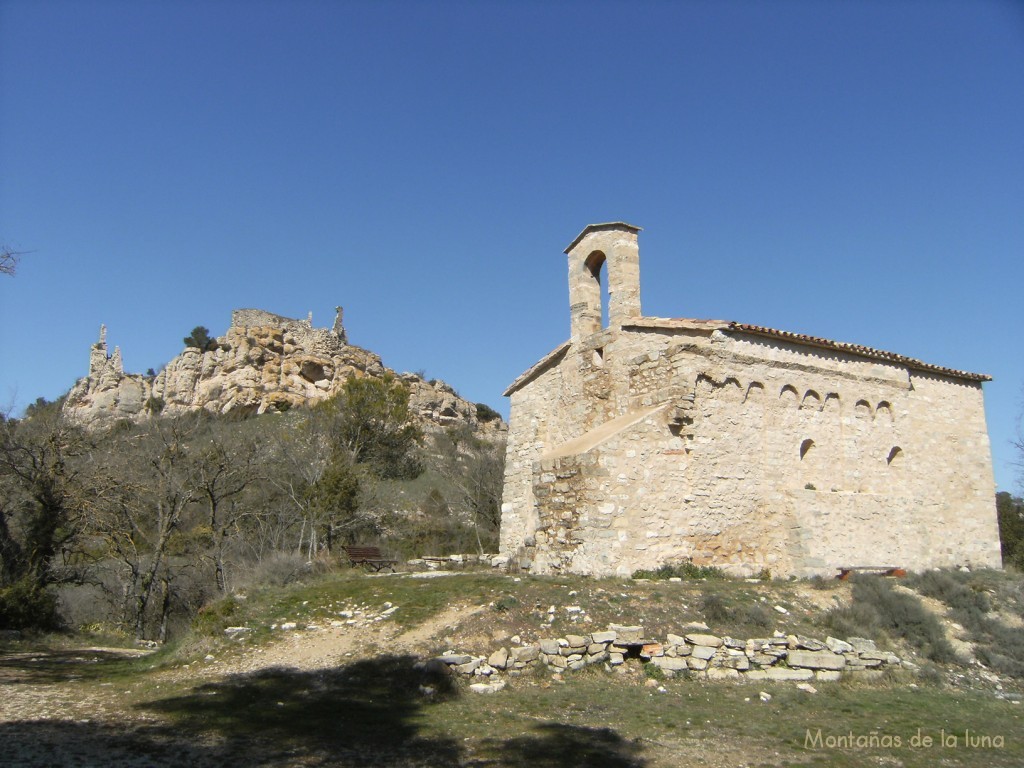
762,455
695,653
264,362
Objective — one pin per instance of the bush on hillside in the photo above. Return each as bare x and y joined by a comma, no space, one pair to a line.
684,569
877,607
24,605
485,413
996,645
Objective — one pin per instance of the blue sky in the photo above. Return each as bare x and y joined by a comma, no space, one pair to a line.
853,170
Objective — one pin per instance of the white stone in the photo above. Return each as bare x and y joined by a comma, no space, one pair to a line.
709,640
838,646
722,673
815,660
490,687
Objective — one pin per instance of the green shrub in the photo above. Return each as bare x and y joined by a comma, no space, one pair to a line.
745,618
714,609
876,605
822,583
653,671
485,413
944,586
856,620
200,339
1010,512
24,605
214,618
505,603
995,644
684,569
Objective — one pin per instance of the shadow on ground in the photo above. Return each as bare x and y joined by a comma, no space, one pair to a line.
48,743
367,713
554,745
56,666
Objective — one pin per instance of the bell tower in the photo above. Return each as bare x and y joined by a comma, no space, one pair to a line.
609,248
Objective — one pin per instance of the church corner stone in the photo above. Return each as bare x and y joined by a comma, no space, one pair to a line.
651,440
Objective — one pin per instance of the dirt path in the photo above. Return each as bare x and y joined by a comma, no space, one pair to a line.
56,707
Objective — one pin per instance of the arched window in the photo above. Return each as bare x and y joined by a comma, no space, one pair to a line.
594,264
884,409
805,448
788,395
862,410
811,401
895,457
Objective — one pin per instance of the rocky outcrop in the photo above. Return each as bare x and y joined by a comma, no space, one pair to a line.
264,362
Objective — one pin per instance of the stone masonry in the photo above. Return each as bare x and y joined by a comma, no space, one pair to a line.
693,653
652,440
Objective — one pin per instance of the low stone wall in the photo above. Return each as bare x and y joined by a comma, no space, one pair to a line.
781,657
446,562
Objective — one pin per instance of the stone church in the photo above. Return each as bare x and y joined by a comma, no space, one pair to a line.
653,440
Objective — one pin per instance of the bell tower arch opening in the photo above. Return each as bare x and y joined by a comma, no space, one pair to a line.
603,251
595,265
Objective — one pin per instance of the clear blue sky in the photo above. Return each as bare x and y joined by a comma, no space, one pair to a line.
853,170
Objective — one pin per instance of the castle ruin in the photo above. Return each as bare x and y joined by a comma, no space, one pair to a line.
652,440
263,363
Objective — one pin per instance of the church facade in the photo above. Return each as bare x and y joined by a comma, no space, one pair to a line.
648,441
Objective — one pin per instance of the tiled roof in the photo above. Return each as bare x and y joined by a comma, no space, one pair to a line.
857,349
685,323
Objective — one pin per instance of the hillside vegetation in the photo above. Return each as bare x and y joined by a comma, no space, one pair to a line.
324,672
137,526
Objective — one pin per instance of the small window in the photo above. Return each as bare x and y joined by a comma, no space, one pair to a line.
811,401
884,409
599,357
895,457
805,448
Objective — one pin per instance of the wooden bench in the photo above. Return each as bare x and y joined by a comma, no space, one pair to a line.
885,570
371,557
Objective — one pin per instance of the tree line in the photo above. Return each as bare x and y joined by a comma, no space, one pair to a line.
144,523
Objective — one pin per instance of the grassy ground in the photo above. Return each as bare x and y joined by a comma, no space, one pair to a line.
98,707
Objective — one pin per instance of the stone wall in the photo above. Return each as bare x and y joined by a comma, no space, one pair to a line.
654,440
760,455
693,653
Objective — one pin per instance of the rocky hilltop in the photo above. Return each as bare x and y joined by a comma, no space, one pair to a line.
264,362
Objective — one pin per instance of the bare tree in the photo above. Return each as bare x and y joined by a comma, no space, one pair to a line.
9,259
476,468
223,467
138,518
302,456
